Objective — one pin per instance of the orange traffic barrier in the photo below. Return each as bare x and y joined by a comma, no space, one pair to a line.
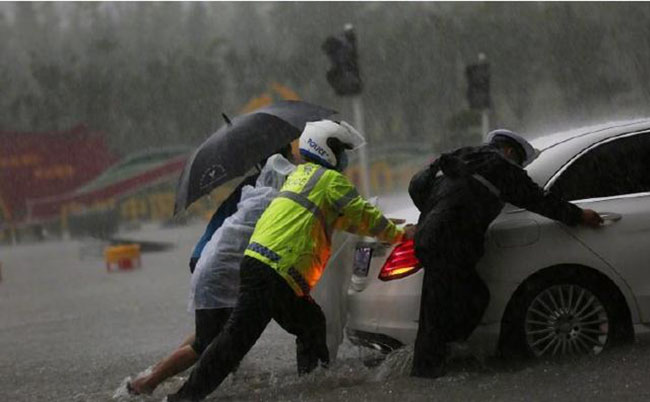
125,257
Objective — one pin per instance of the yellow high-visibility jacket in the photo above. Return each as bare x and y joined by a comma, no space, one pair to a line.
293,236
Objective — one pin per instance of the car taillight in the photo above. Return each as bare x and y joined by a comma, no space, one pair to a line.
401,262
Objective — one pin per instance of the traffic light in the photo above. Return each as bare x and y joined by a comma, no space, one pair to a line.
343,76
478,85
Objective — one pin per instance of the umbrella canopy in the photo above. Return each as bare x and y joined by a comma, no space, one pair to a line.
240,144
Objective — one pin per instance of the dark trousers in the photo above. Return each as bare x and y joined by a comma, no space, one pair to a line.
208,324
453,301
263,295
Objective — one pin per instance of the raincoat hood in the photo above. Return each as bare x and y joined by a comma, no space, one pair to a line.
274,172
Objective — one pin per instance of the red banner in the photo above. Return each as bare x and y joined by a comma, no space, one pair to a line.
37,165
51,207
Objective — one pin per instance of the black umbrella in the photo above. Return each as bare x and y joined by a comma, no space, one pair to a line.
240,144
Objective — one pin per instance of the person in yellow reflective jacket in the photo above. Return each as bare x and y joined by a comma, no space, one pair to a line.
286,256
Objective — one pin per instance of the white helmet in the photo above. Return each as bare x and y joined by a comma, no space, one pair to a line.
530,153
323,141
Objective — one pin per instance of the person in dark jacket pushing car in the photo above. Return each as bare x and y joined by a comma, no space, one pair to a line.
458,196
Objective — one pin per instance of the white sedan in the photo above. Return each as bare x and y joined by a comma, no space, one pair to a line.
554,289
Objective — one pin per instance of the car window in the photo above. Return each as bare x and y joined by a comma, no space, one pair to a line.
614,168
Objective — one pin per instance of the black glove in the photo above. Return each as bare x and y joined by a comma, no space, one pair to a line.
193,261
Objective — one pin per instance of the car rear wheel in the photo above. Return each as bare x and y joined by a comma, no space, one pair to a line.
564,312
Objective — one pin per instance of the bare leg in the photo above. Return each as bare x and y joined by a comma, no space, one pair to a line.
188,341
180,360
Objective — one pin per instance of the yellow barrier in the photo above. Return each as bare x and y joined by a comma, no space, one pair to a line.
123,256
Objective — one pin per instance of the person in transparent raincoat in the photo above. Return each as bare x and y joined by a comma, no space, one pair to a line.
215,280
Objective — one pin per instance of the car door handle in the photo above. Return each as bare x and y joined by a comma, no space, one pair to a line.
610,217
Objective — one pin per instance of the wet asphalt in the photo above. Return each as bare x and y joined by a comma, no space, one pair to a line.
71,331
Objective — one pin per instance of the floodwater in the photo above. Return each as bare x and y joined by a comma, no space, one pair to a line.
70,331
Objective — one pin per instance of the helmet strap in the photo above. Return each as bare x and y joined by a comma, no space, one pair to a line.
315,159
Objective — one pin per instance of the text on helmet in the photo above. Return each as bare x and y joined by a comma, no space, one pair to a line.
317,148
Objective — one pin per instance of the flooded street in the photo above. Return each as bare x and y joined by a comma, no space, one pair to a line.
70,331
518,131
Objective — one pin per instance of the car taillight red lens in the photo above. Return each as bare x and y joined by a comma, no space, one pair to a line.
401,262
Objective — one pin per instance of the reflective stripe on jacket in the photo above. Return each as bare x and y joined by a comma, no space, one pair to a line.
293,236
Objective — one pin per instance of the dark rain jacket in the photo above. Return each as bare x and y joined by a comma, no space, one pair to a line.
457,206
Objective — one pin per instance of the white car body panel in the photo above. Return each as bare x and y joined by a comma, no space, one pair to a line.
510,266
626,246
504,267
520,243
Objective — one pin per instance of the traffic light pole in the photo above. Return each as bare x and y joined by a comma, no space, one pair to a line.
485,122
485,117
357,109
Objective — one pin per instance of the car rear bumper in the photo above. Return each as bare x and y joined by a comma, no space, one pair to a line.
384,315
483,341
380,342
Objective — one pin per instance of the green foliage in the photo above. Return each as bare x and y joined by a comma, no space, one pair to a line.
464,120
154,74
463,128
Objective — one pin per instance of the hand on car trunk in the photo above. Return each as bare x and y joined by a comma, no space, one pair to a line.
409,231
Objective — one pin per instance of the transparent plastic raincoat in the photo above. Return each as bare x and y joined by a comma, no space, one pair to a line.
215,281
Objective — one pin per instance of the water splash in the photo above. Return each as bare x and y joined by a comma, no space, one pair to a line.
122,394
397,364
348,371
276,378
